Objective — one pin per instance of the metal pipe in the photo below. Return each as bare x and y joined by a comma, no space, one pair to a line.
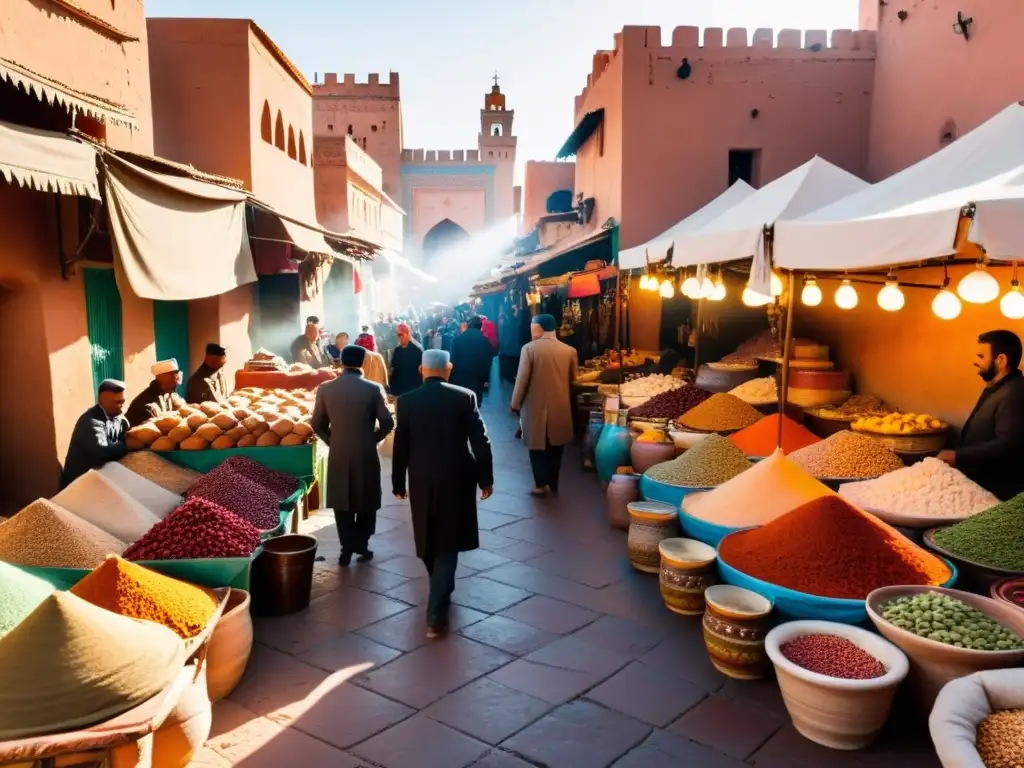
787,352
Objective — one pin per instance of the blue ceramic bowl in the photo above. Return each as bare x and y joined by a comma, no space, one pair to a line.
652,490
702,530
799,605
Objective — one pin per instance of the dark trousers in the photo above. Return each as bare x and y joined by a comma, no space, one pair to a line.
355,529
546,465
441,569
508,366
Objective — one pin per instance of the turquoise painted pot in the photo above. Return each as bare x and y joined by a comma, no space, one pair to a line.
612,449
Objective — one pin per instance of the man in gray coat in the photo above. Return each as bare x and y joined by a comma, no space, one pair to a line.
351,416
543,400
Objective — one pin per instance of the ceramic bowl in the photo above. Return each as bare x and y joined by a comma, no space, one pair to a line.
687,570
685,440
734,626
1009,590
974,575
833,712
933,664
913,522
703,530
652,490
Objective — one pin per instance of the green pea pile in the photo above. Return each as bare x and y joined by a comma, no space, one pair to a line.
991,537
948,620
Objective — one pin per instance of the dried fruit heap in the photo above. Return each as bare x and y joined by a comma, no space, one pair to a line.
197,529
240,495
283,485
670,404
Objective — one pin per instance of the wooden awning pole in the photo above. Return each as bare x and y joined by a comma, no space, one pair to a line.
787,352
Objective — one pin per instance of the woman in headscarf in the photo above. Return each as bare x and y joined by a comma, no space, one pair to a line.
374,367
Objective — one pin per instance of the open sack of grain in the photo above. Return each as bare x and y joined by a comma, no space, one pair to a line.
157,500
94,498
45,534
978,720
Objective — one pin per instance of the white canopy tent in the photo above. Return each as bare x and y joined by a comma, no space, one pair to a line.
738,232
914,214
657,248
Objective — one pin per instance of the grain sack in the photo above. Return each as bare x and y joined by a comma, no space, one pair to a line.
20,593
70,664
93,497
166,474
157,500
46,535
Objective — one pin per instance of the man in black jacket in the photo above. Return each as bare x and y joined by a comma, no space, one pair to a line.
991,450
438,425
99,434
472,355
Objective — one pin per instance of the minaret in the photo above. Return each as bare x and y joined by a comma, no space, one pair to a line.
498,148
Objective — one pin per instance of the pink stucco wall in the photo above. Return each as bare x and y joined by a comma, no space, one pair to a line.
599,172
466,206
539,181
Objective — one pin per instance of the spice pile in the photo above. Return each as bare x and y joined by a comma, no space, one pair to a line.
164,473
930,487
757,391
945,619
131,590
762,437
670,404
830,549
239,495
847,455
1001,739
832,656
20,593
281,484
709,463
649,386
156,499
854,406
96,499
992,537
720,413
197,529
46,535
769,489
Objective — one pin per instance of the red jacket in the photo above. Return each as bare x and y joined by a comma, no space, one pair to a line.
490,330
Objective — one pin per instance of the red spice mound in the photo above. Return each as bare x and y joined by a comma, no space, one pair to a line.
762,437
197,529
237,493
833,656
829,548
283,485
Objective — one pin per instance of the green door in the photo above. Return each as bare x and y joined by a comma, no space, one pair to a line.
170,324
103,321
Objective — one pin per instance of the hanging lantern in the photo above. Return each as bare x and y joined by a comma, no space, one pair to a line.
1012,303
946,305
978,287
811,294
846,295
891,298
752,298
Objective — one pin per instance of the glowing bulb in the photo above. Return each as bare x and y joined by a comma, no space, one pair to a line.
776,285
667,290
643,282
755,299
891,298
691,288
846,296
652,283
811,294
706,288
718,292
978,287
1012,304
946,305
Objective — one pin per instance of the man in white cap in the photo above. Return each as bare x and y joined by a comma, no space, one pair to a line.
160,396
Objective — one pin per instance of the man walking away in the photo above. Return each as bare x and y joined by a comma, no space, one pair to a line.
351,417
508,345
472,355
99,434
543,396
442,443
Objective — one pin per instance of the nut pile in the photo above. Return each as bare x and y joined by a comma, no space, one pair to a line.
930,487
282,485
757,391
833,656
720,413
43,534
649,386
709,463
1001,739
20,593
164,473
195,530
670,404
992,537
846,455
239,495
945,619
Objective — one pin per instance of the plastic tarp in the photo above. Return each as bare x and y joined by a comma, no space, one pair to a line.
47,162
738,233
175,238
913,215
657,248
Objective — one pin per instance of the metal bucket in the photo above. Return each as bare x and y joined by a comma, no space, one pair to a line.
282,576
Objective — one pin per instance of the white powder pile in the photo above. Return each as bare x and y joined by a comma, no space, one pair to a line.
929,488
97,500
153,497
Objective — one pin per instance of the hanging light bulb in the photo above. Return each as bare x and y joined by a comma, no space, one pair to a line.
891,298
946,305
754,299
718,291
706,288
667,289
846,295
691,287
776,284
652,283
643,282
1012,303
811,294
978,287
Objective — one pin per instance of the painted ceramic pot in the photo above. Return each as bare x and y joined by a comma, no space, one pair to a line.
644,454
687,570
735,624
622,491
612,447
650,523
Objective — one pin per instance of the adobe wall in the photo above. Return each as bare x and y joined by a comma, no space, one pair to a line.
226,319
599,162
540,180
466,206
330,181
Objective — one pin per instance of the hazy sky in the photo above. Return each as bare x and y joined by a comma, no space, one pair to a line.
446,51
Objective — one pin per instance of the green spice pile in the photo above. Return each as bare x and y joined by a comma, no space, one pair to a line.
1001,739
948,620
20,593
992,537
708,464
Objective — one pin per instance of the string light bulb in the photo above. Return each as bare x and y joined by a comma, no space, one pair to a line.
1012,303
691,287
846,295
891,298
946,305
667,290
752,298
978,287
811,294
706,288
643,281
776,284
718,291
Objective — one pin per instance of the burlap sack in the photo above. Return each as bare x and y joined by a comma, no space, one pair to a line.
965,702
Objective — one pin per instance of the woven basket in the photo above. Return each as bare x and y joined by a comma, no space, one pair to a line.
917,444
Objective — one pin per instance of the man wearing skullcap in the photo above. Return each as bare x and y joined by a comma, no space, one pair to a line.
207,384
405,362
160,396
350,415
99,433
374,367
472,356
442,444
543,398
306,348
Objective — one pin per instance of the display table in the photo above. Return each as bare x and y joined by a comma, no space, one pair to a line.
282,380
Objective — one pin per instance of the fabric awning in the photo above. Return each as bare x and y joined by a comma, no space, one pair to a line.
564,246
308,236
47,161
53,92
583,131
175,238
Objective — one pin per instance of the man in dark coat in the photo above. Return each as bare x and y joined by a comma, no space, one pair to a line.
438,427
472,355
509,345
160,396
99,433
991,450
350,415
207,384
405,363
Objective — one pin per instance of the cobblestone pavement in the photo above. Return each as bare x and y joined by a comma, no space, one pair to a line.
561,655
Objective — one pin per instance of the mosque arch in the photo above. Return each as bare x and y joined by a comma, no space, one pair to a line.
266,131
443,235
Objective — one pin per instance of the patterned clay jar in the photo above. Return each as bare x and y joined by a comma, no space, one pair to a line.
622,490
650,522
652,447
687,569
735,624
612,447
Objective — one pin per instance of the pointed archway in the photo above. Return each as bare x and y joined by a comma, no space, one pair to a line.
443,235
